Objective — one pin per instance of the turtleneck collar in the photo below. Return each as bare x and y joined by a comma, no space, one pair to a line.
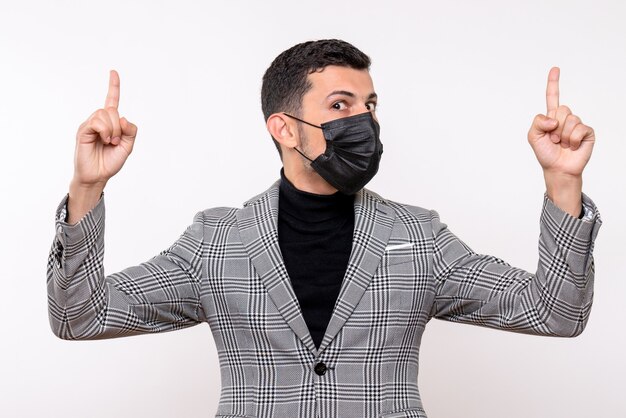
311,207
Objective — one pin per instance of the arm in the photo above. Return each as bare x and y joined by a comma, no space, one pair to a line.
556,300
483,290
159,295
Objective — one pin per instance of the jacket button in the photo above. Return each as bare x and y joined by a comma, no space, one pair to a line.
320,369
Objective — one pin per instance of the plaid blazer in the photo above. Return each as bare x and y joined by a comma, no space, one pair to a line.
405,268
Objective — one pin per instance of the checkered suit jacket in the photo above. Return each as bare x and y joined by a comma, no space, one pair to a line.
405,268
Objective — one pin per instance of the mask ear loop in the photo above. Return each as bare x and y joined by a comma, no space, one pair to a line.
303,121
302,154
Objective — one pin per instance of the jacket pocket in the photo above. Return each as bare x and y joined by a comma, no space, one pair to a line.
405,413
398,256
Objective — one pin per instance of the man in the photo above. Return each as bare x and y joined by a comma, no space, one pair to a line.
317,291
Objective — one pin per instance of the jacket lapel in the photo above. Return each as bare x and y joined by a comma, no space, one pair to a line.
373,223
258,228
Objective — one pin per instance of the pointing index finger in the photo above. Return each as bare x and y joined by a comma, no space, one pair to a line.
552,91
113,96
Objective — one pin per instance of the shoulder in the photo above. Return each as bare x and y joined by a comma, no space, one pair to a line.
403,211
218,216
227,216
411,222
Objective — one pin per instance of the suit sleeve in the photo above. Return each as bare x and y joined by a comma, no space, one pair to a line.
484,290
162,294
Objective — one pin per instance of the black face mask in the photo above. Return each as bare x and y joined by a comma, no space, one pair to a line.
353,151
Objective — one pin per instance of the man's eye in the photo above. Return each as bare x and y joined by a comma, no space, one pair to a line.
371,106
339,106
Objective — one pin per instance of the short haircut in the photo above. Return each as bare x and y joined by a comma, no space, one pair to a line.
285,82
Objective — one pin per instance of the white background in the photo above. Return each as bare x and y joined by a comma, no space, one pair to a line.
459,83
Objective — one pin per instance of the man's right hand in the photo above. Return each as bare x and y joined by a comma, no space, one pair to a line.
103,143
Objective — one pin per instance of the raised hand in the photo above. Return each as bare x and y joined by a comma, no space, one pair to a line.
103,143
563,145
561,142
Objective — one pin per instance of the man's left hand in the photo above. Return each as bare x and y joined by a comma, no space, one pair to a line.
563,145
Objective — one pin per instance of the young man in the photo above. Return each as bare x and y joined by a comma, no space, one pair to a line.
317,291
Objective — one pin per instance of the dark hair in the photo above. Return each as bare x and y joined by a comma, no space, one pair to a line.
285,81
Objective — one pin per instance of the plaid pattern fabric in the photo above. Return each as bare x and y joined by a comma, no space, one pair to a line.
405,268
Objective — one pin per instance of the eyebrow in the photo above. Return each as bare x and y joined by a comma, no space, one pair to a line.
350,94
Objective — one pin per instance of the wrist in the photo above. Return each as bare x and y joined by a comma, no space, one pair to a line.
82,198
565,191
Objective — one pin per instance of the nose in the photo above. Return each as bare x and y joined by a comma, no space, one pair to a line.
363,109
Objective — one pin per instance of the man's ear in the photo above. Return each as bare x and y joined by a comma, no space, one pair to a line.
283,130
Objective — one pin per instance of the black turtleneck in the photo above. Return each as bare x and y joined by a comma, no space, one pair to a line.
315,238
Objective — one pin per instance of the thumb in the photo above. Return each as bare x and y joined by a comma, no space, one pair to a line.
128,129
542,124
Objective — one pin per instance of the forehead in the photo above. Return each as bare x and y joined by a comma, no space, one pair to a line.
332,78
